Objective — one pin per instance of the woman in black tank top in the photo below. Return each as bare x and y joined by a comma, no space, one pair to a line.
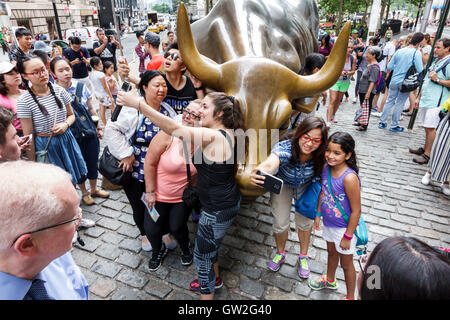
215,162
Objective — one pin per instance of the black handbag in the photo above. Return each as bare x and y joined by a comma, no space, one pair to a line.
191,195
108,166
413,79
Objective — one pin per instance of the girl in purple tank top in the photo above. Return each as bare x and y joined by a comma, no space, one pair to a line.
345,187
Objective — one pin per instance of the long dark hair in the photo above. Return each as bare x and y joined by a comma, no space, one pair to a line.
408,269
21,69
318,156
347,143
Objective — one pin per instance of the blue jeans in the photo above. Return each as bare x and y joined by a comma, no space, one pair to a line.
397,97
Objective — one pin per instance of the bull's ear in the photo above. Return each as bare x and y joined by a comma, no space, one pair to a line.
306,104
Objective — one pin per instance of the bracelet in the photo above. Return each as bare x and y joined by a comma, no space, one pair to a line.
67,124
318,214
347,237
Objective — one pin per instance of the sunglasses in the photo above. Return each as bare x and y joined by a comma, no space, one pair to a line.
192,115
173,55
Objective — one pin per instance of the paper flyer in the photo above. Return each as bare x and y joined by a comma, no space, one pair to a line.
153,213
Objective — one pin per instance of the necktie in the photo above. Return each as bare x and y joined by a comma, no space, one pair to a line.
37,291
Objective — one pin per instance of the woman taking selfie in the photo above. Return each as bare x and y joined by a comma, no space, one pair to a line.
219,194
295,161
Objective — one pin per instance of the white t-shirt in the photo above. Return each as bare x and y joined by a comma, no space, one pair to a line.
96,79
426,50
388,50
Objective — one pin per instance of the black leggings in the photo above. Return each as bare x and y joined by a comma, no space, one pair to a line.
134,190
173,218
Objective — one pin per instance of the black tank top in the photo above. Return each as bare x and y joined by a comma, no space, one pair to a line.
215,181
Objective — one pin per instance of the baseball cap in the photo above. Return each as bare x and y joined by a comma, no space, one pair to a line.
152,38
355,31
41,45
5,67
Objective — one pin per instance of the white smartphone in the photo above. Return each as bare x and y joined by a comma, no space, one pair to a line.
30,136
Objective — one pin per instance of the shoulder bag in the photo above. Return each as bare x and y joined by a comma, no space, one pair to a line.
306,205
191,195
361,230
413,79
42,155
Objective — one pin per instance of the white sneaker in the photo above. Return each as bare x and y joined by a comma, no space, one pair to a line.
446,189
376,114
86,223
146,245
75,236
426,178
354,100
328,124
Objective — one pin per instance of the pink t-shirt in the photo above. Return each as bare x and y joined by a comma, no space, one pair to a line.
12,105
114,90
171,174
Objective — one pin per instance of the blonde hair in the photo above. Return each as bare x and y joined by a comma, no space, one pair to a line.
27,197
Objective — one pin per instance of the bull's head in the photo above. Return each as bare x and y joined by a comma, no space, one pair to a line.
266,89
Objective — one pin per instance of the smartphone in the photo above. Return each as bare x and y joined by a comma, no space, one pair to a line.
271,183
30,136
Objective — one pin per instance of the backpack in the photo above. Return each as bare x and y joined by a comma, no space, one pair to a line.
413,79
381,83
83,125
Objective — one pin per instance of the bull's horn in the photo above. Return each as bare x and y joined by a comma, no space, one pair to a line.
206,71
305,86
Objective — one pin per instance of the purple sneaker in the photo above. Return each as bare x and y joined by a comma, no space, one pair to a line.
303,267
276,262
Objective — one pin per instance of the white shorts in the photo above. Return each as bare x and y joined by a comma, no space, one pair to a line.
335,235
429,117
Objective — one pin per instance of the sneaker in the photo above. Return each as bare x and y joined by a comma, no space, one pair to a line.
382,125
333,118
100,193
322,283
157,257
276,262
87,200
446,189
397,129
328,125
194,286
186,258
354,100
146,245
86,223
376,114
426,178
374,108
303,267
418,151
170,242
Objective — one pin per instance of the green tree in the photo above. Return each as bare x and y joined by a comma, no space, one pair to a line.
162,8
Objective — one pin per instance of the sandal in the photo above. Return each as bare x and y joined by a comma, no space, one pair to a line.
422,159
100,193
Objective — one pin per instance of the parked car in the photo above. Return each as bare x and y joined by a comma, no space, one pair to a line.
139,26
87,35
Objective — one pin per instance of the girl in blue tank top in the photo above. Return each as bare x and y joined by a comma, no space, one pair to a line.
345,187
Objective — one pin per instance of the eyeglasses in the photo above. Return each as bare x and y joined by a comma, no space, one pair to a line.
192,115
37,73
173,55
77,219
307,139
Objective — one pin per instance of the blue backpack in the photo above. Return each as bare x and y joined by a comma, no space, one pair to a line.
381,83
83,125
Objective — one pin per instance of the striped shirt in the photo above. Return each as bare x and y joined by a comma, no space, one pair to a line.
28,108
305,171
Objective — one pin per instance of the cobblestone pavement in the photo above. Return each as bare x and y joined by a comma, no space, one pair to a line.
394,202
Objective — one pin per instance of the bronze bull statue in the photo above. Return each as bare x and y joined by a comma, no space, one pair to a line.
254,50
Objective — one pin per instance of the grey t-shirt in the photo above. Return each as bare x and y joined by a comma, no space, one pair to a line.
366,78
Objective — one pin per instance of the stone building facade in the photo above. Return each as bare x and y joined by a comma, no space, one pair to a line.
39,16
